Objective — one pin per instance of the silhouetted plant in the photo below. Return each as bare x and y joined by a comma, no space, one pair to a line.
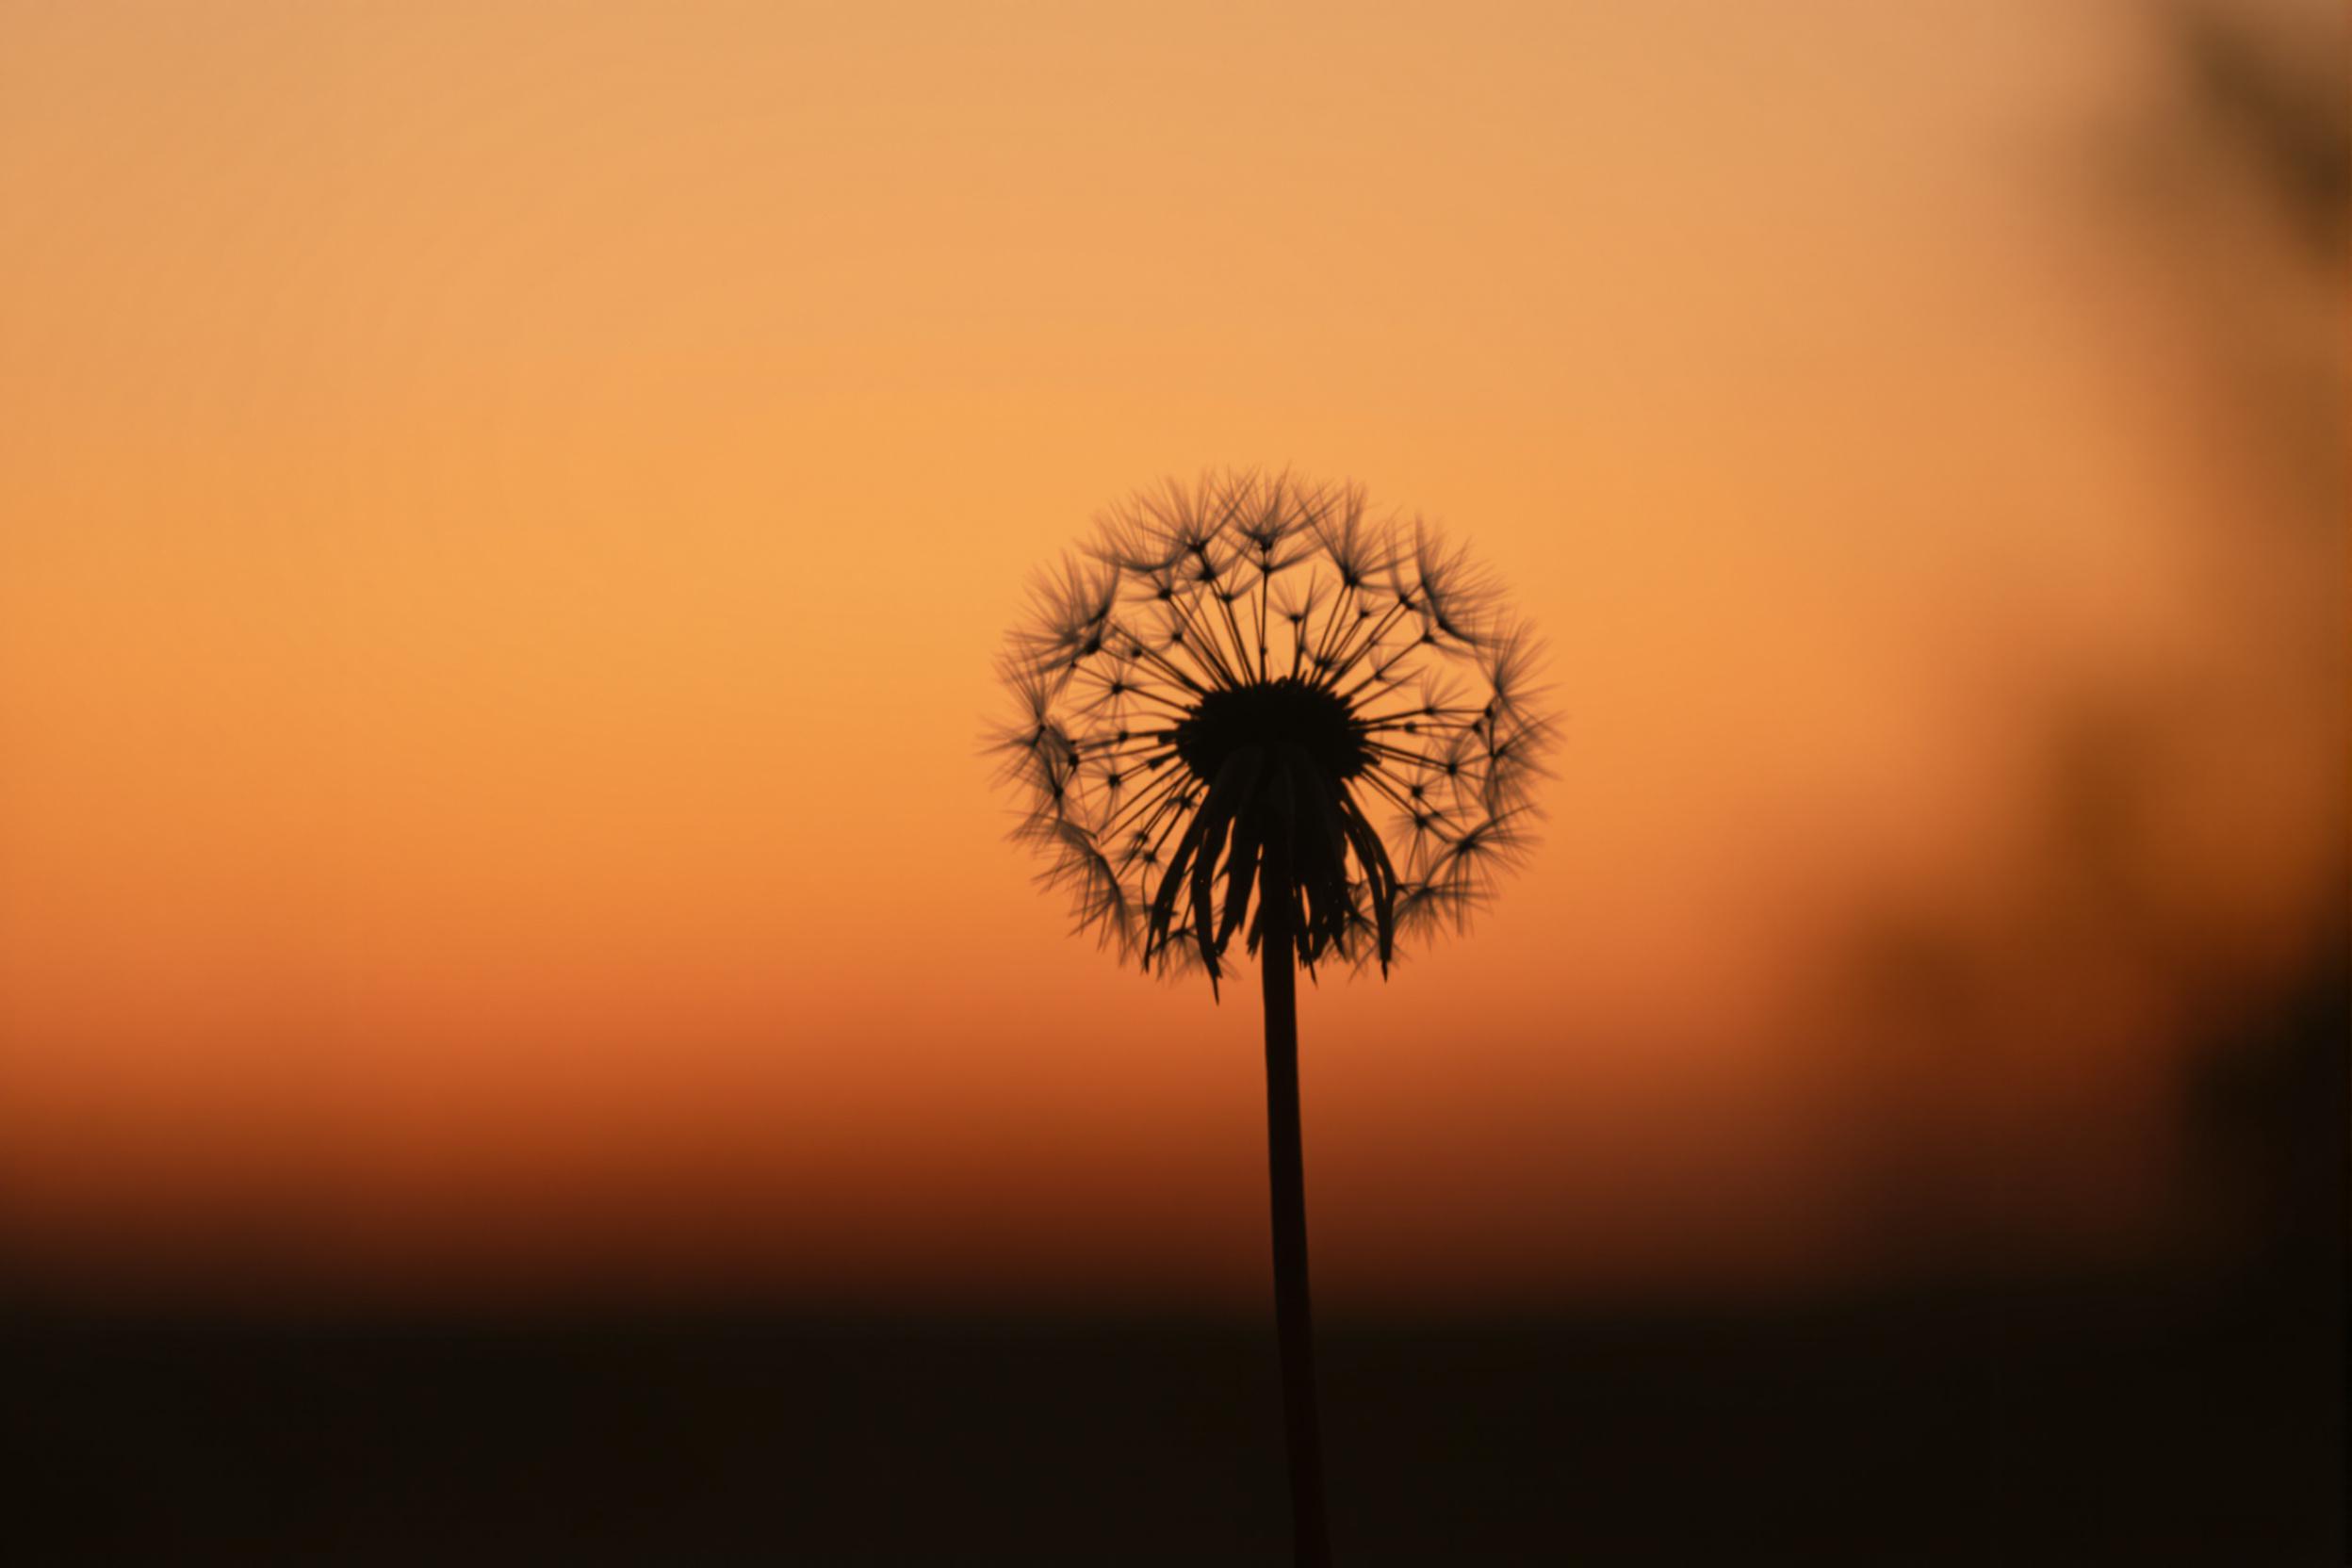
1249,707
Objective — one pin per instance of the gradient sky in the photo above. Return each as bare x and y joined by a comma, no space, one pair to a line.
504,528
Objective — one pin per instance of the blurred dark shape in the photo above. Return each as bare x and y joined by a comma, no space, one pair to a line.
2201,1313
2268,101
2268,1108
2281,109
2242,177
2057,1422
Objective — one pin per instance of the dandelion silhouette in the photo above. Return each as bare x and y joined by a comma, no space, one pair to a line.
1251,709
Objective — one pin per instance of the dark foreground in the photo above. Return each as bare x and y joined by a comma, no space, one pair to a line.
2138,1422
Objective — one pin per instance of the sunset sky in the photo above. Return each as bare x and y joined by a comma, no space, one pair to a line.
505,524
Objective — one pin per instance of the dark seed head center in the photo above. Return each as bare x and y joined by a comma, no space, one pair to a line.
1270,713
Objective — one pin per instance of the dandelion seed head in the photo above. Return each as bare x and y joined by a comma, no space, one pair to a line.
1298,720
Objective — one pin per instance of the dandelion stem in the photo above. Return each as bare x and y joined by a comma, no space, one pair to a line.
1373,721
1266,574
1144,694
1286,1169
1233,627
1350,650
1402,754
1203,646
1142,649
1165,789
1418,727
1148,739
1387,786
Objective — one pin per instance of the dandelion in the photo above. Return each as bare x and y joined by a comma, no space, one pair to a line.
1251,709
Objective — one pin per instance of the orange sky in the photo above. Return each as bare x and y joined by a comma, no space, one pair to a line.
504,532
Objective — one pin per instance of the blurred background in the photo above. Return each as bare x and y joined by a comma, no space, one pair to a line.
522,1037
